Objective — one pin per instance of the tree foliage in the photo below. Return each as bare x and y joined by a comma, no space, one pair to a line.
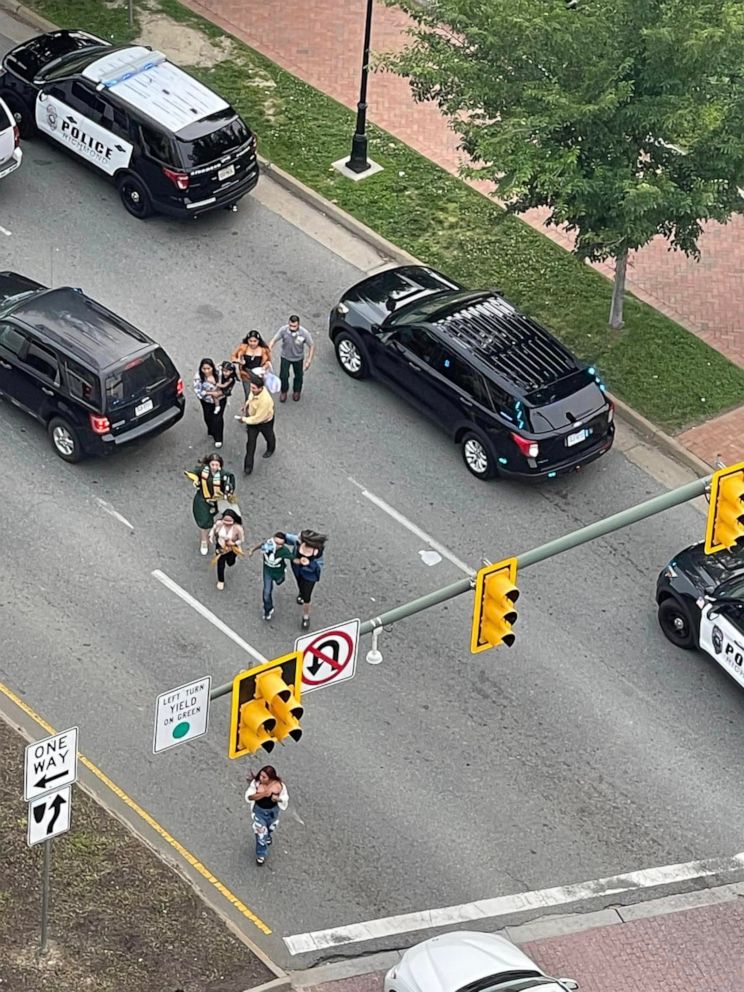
624,117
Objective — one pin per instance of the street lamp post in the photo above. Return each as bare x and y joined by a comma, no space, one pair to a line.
359,161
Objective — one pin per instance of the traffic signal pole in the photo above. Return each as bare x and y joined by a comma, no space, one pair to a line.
600,528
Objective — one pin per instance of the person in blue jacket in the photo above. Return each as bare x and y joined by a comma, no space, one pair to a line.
307,566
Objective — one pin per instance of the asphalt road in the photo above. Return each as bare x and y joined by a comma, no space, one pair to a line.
590,748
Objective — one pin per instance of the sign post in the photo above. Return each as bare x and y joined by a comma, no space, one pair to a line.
328,656
50,769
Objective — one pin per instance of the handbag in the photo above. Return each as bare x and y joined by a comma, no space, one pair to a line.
272,382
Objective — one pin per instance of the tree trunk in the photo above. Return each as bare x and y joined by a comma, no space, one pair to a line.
618,291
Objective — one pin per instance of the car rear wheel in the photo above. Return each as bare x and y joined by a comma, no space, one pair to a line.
134,196
675,624
64,440
350,355
24,116
478,457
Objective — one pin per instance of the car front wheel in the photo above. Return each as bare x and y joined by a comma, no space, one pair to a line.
350,355
64,440
675,624
478,457
134,196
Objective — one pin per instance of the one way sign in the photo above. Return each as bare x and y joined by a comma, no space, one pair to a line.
49,816
50,764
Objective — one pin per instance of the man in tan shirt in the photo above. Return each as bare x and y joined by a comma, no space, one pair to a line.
259,419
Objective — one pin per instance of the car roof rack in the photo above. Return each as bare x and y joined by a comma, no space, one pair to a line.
520,349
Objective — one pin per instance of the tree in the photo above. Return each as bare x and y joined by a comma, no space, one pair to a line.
624,117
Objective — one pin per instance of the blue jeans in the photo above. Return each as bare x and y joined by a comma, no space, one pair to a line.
264,825
268,590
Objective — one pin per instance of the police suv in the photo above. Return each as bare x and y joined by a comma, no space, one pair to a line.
701,604
170,144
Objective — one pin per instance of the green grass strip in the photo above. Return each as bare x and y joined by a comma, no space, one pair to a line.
662,370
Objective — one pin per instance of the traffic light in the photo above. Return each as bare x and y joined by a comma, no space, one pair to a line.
725,527
266,706
494,614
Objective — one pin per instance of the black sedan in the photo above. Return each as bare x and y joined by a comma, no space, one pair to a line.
701,604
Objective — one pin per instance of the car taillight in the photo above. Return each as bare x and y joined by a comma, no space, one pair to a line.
530,449
16,135
179,179
179,387
99,425
610,411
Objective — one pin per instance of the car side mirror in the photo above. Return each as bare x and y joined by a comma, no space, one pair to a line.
568,984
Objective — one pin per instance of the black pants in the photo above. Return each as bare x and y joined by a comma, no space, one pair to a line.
222,561
253,430
215,422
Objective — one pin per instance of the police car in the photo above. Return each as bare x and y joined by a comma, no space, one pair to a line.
170,144
701,604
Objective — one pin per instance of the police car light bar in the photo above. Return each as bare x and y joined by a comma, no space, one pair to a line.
143,64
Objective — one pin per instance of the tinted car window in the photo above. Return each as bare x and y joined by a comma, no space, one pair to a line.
134,378
42,50
462,375
87,102
11,339
420,342
158,145
42,361
82,383
207,147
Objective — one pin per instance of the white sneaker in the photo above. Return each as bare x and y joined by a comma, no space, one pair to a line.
218,444
204,548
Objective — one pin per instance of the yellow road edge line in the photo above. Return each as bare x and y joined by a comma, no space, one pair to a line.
205,873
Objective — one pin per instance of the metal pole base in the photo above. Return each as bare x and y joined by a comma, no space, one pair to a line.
358,161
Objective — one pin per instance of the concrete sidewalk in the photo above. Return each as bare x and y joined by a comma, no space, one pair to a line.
683,943
320,41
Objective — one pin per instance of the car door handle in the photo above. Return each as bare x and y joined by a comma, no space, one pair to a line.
465,402
414,366
5,365
49,392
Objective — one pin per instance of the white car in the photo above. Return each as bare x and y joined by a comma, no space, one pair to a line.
10,141
466,961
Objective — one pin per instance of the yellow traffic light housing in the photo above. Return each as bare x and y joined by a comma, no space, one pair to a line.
725,527
266,706
494,614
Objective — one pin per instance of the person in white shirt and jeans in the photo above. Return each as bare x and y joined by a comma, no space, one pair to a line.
266,795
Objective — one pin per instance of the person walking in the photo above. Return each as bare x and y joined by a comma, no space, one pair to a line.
212,483
266,795
277,551
228,536
210,396
251,355
307,566
294,339
259,419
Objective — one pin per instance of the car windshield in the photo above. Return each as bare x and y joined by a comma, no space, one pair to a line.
138,377
418,311
201,149
32,57
732,588
9,302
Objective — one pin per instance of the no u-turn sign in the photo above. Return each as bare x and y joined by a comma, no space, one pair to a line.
328,656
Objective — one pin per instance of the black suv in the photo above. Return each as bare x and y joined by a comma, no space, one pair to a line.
171,144
93,380
517,401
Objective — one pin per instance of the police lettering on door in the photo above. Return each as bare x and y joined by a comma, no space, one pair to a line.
722,641
88,140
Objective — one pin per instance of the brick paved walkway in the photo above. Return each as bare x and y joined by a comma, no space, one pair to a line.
320,41
695,950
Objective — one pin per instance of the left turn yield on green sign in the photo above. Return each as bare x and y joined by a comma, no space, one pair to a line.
182,714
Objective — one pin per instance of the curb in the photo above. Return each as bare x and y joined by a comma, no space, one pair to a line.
672,448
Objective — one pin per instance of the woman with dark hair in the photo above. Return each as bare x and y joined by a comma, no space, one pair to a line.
210,395
212,483
228,536
307,565
252,355
266,795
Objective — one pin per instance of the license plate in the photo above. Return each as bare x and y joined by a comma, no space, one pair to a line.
577,438
225,173
144,407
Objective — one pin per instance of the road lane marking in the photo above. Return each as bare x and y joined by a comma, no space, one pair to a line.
114,513
202,610
197,865
505,905
413,528
5,231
